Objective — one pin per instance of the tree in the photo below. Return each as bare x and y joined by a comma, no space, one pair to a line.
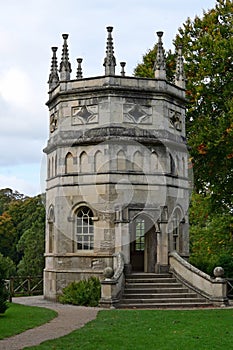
3,293
31,245
7,195
32,241
7,266
22,226
211,236
7,235
207,47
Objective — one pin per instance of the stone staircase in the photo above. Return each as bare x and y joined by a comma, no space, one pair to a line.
151,291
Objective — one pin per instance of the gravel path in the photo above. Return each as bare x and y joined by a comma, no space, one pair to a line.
69,318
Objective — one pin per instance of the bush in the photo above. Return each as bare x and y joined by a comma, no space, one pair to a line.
226,261
3,295
84,292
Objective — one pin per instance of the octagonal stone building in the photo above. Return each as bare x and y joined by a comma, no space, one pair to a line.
117,178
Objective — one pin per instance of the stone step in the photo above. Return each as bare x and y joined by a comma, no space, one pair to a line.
143,290
153,290
160,296
162,301
167,305
150,280
152,284
148,275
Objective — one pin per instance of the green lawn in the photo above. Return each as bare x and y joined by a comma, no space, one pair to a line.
155,329
19,318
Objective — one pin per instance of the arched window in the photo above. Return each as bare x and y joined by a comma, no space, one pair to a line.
183,166
176,230
154,161
52,168
69,163
140,234
84,229
84,166
49,168
98,162
51,220
55,166
121,161
137,161
177,165
172,165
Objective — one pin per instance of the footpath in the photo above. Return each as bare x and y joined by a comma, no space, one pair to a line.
69,318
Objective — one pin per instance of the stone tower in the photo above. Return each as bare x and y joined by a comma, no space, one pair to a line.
117,169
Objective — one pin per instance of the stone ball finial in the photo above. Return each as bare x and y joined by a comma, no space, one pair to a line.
218,272
108,272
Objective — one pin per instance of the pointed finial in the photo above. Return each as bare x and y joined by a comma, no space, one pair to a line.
160,64
79,74
53,76
65,67
180,73
122,68
109,61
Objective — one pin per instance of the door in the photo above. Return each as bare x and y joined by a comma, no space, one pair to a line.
143,246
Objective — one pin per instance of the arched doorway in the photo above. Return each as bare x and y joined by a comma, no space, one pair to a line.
143,245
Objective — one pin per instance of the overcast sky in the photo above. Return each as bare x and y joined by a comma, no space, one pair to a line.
28,29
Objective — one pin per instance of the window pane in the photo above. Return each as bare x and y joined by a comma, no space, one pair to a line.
85,229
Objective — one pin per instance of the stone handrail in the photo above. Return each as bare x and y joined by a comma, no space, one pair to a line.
119,265
214,289
111,286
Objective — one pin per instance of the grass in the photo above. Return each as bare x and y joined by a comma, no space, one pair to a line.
151,329
19,318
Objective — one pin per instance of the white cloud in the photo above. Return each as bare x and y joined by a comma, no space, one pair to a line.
16,88
19,184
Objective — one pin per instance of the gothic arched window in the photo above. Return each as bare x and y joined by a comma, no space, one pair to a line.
98,161
84,166
176,230
84,229
69,163
137,161
121,161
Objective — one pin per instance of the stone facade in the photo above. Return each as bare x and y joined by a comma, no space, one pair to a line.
117,170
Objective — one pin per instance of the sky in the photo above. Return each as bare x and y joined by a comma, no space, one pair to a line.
28,30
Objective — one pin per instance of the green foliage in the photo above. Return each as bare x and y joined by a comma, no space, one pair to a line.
207,46
3,294
7,235
31,244
22,227
84,292
7,196
19,318
146,68
7,266
211,236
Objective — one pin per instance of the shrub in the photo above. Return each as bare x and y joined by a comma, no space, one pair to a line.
85,292
3,295
226,261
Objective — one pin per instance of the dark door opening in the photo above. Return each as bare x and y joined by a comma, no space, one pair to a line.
143,246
